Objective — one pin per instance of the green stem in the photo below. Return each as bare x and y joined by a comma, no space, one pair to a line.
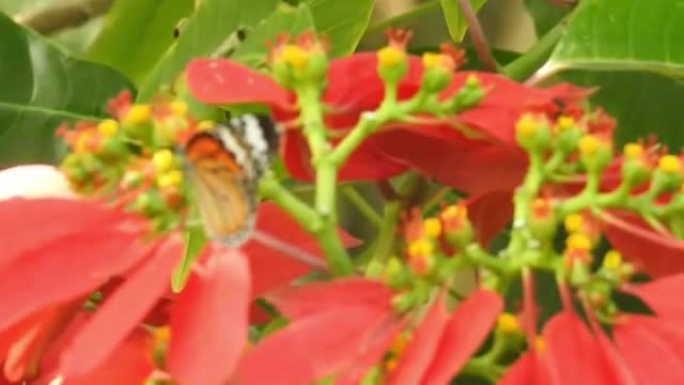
362,205
270,188
484,369
388,232
326,179
526,65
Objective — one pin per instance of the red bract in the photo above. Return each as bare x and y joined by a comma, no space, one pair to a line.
54,260
655,253
353,87
344,327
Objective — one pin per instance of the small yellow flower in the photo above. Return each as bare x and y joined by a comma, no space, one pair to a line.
433,227
205,125
455,211
589,145
138,114
179,108
573,223
295,55
612,260
420,247
390,56
578,241
670,164
508,323
164,160
172,178
526,126
633,150
565,122
108,127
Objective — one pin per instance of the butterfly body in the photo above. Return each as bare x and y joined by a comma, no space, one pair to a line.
225,164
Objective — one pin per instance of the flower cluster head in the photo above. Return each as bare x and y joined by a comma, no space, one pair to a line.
132,159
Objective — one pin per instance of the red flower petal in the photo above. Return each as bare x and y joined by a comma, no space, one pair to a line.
648,353
655,253
663,296
464,333
490,213
122,311
307,300
65,266
311,348
576,356
220,81
371,352
24,344
29,223
129,364
415,360
467,164
272,268
532,368
209,321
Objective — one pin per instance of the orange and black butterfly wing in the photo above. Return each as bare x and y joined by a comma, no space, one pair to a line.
223,193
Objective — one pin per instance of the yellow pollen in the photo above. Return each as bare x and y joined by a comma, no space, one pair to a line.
205,125
573,223
433,227
390,56
164,160
508,323
295,56
162,334
589,145
391,364
612,260
526,126
172,178
669,164
179,108
455,211
565,123
578,241
539,344
633,150
420,247
138,114
399,343
108,127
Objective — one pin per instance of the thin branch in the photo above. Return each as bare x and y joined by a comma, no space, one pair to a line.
477,36
61,16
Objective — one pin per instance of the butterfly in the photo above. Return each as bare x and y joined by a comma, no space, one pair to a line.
225,164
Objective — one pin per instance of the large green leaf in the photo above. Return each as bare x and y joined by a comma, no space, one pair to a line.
545,14
208,32
295,20
342,22
624,35
454,18
136,33
41,87
643,103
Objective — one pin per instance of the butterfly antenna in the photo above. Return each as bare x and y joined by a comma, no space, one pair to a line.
288,249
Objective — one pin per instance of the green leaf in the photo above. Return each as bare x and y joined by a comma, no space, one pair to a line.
43,86
208,32
194,242
148,23
643,103
624,35
454,17
295,20
341,22
545,14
